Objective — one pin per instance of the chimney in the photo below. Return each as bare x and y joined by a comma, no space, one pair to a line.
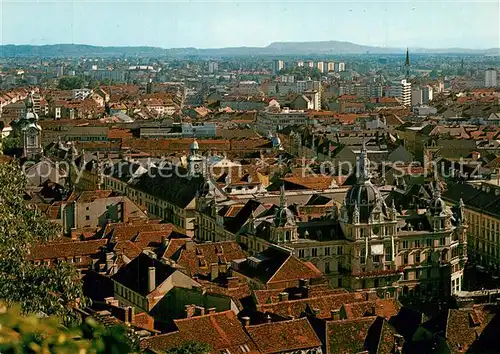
214,271
129,315
303,283
283,296
268,319
246,321
164,241
190,310
211,310
233,282
335,314
151,279
200,309
315,312
373,310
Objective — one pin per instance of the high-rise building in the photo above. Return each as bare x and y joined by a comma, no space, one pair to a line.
490,78
278,65
310,64
321,66
402,91
427,94
331,66
213,67
416,96
339,67
300,63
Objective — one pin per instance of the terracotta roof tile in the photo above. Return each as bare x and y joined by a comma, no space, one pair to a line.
385,308
285,336
52,250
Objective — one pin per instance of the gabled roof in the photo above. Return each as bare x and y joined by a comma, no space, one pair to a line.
197,258
385,308
285,336
222,331
348,336
53,250
135,274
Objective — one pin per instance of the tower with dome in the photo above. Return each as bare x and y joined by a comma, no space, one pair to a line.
29,132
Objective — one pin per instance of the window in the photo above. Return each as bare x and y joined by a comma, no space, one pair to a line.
428,242
405,245
405,258
327,251
87,217
417,257
340,250
327,267
314,252
417,244
442,241
78,259
301,253
376,259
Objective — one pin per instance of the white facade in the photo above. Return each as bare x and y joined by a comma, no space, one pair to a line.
427,94
321,66
402,91
213,67
278,65
81,94
331,66
199,129
270,120
490,78
339,67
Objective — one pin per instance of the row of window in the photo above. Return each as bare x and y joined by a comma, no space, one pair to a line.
76,260
417,243
315,252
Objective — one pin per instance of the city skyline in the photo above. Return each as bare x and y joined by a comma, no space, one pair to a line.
219,24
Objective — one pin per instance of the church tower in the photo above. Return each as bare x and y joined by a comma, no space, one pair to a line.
195,160
407,64
284,228
29,131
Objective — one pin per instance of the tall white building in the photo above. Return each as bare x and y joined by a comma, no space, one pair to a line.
310,64
490,78
427,94
321,66
213,67
339,67
402,91
300,63
416,96
278,65
331,66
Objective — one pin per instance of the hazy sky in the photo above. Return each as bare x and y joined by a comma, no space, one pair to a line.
222,23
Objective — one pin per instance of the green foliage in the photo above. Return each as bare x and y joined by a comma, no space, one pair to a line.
21,334
70,83
10,142
53,290
190,348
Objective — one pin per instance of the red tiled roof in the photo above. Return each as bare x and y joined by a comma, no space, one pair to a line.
386,308
347,336
222,331
52,250
285,336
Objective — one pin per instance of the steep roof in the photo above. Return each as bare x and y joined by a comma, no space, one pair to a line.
278,337
222,331
52,250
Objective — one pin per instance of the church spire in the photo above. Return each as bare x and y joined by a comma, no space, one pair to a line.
363,165
282,196
407,63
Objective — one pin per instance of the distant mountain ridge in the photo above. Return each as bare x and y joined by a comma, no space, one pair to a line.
275,48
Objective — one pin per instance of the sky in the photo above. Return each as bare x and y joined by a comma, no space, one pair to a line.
227,23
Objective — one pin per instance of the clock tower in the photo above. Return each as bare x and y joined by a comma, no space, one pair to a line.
29,131
195,160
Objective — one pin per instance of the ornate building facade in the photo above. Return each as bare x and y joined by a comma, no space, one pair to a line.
364,244
29,132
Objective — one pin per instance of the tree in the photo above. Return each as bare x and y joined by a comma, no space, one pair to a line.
30,334
190,348
52,290
70,83
9,142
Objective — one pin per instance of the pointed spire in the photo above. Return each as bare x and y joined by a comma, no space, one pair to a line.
363,163
355,213
407,60
282,196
